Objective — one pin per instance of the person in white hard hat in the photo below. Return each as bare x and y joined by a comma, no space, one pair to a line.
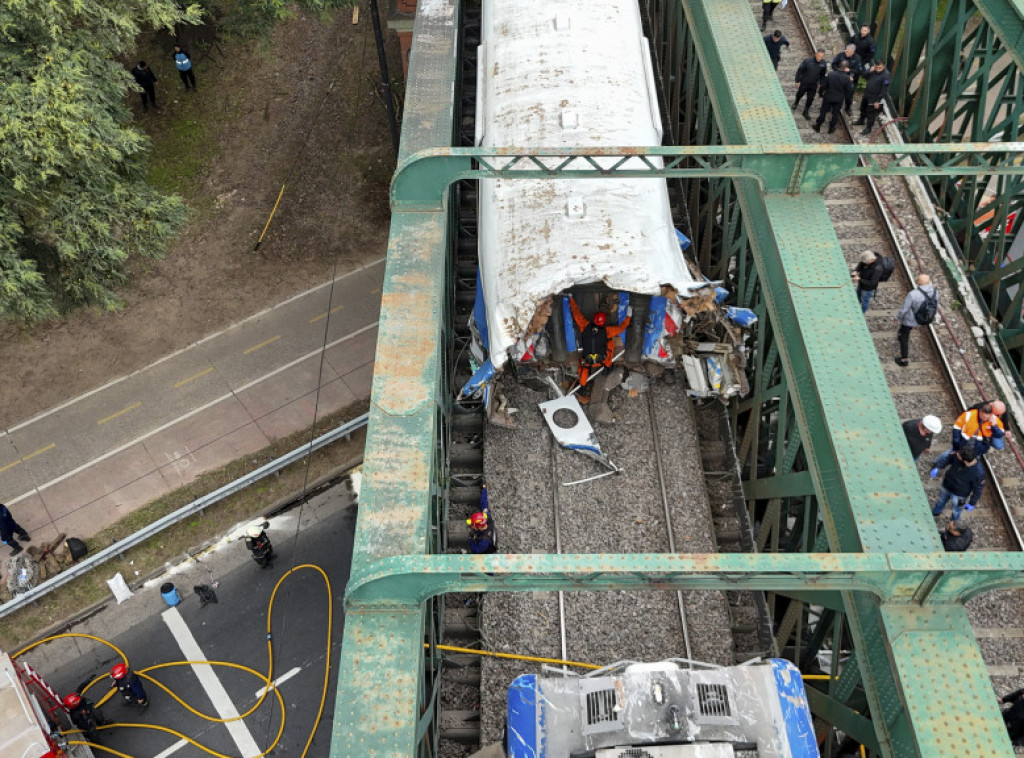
919,433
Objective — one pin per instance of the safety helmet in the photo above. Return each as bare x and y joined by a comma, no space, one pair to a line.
72,700
932,424
478,520
600,318
998,407
120,671
254,529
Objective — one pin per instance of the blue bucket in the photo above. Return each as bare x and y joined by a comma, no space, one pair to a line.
170,594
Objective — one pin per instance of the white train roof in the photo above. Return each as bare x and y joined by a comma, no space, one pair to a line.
560,73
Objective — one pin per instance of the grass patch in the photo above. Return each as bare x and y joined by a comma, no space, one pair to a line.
56,608
180,151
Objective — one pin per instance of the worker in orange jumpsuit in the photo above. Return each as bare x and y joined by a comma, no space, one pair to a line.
596,338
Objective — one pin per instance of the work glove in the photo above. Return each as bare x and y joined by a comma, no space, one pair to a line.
629,311
968,507
934,472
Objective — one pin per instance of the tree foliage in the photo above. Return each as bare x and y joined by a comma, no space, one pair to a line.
74,202
248,18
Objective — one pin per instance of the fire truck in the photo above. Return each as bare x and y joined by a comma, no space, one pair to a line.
31,715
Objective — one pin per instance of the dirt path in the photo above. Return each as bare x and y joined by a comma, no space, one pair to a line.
299,108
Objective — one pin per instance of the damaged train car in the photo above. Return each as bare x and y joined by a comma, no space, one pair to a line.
568,75
560,75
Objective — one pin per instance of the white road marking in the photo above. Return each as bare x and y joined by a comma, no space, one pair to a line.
208,678
172,749
279,681
190,414
207,338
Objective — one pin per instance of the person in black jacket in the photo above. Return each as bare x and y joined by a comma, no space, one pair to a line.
810,76
875,92
774,43
957,537
867,276
962,484
146,79
837,86
1013,717
855,64
864,45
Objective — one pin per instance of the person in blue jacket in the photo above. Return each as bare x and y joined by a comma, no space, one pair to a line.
8,528
183,62
962,484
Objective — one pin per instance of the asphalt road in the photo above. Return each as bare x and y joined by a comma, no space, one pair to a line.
233,630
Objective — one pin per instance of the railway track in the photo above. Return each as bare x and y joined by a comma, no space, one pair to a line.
946,373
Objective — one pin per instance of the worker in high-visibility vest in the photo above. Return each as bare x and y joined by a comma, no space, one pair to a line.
767,9
978,427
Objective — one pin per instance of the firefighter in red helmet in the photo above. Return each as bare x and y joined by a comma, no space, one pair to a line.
596,346
84,714
129,685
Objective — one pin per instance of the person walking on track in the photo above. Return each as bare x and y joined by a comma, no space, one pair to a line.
919,309
810,77
838,86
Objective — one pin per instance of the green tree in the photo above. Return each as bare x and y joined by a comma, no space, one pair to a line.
248,18
74,202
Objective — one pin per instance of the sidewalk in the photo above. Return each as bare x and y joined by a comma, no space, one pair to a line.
85,464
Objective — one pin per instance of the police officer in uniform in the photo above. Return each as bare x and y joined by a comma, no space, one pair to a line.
810,76
838,86
864,44
875,93
854,62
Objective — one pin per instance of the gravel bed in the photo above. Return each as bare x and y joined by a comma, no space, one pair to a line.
617,514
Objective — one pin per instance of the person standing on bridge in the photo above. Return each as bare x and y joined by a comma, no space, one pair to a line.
838,86
875,92
918,309
854,63
978,428
774,43
962,484
867,276
957,536
597,348
768,10
919,431
810,76
864,45
8,528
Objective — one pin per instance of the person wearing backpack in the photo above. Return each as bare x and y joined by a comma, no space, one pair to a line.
919,309
869,273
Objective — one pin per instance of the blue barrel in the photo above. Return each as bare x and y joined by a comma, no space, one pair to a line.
170,594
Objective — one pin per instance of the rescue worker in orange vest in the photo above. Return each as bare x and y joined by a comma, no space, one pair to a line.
597,348
980,427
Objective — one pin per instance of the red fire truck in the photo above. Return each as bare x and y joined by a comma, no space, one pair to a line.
31,715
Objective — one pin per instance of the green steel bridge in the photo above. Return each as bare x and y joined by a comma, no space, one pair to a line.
873,559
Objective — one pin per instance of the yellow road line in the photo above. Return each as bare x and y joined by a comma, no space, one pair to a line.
121,412
183,382
323,315
254,348
30,455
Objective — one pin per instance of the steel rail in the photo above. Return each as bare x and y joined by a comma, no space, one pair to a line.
196,506
1005,511
668,519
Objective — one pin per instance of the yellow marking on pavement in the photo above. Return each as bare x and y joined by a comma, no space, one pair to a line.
183,382
30,455
254,348
121,412
323,315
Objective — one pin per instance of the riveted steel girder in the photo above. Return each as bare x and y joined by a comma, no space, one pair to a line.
421,180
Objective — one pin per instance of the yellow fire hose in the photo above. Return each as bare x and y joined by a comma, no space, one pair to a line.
267,680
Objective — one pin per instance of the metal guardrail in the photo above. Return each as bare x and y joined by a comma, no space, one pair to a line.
197,505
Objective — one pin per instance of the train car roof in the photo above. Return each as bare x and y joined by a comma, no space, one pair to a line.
555,73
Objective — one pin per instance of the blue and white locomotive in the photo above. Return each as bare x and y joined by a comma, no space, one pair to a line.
661,710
